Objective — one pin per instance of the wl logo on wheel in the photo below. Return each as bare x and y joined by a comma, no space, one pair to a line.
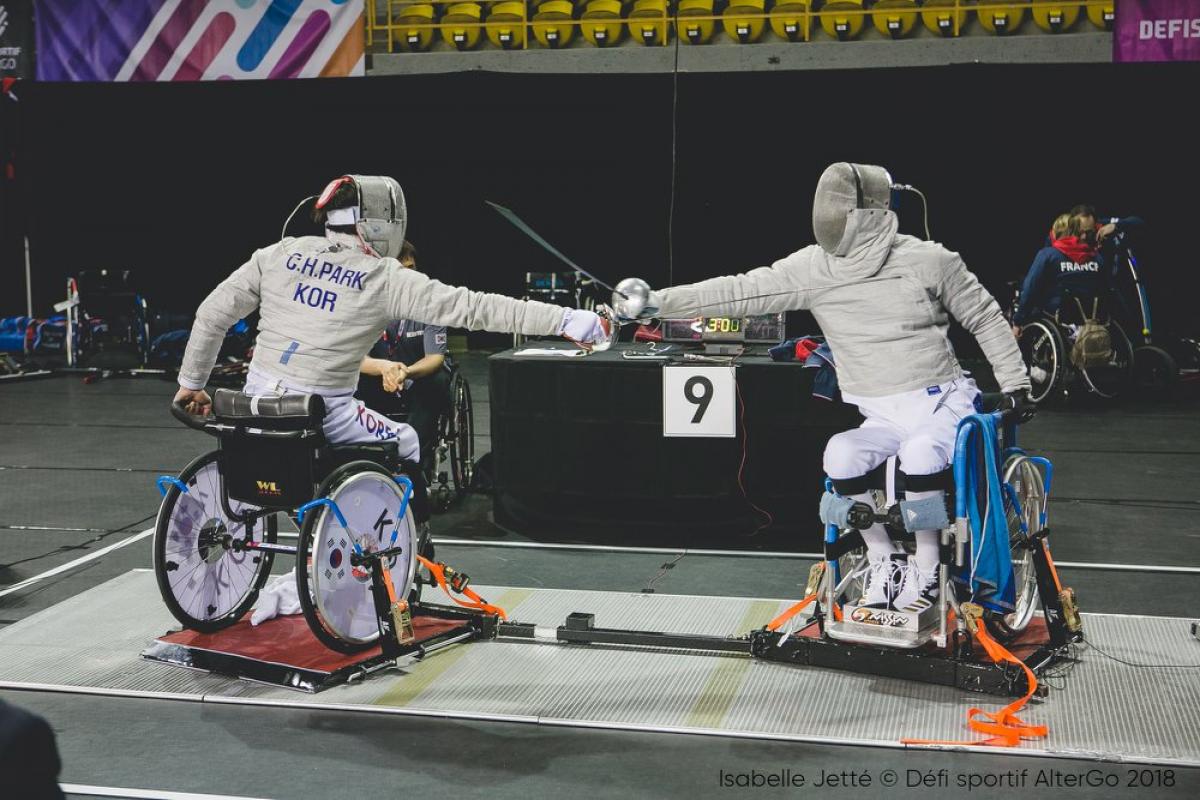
269,488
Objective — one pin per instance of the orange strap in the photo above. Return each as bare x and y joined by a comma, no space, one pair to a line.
1053,569
438,571
1004,727
776,623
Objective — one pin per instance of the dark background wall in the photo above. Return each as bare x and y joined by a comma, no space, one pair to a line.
182,182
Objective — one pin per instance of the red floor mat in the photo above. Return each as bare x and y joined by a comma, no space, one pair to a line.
288,640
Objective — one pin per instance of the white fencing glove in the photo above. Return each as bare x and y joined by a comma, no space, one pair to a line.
586,327
279,596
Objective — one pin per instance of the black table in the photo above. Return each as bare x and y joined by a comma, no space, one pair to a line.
579,454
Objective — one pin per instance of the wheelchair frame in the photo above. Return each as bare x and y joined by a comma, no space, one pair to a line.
1066,375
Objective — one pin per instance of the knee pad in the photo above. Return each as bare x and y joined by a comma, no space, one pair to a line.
928,513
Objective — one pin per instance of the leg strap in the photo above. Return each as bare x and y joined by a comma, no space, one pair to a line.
938,481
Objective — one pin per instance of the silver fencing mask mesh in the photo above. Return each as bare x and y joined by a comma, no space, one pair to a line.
383,215
842,188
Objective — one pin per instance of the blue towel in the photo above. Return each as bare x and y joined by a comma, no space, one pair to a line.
988,570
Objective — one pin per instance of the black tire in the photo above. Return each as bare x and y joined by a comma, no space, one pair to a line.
1155,371
461,436
305,548
1115,377
1045,354
201,476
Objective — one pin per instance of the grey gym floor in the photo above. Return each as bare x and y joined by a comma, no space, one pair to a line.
77,464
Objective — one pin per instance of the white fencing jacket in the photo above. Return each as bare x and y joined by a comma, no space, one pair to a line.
884,307
323,304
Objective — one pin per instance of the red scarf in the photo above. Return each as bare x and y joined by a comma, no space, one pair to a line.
1075,249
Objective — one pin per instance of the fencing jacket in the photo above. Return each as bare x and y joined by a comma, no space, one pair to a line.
323,302
884,307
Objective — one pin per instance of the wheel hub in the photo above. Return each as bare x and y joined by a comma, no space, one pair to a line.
213,540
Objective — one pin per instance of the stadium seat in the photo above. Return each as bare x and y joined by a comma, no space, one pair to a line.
648,21
938,17
505,24
463,25
1102,15
740,27
696,31
1002,20
894,18
1055,16
790,20
842,26
554,23
408,28
602,22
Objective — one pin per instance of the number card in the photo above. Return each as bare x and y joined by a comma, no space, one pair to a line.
699,401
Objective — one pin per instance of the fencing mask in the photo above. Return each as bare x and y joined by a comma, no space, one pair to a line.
842,189
380,216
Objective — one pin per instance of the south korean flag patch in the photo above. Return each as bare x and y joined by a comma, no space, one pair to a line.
439,338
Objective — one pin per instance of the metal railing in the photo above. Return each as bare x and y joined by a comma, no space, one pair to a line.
955,13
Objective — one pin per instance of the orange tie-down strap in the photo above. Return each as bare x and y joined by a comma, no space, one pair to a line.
776,623
438,571
1004,727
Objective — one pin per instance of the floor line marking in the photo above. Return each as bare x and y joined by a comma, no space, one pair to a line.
149,794
16,587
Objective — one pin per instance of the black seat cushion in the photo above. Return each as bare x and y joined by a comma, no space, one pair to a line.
284,413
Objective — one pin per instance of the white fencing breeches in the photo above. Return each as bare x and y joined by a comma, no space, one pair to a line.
918,426
347,420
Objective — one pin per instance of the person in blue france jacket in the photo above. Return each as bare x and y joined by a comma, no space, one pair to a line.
1077,261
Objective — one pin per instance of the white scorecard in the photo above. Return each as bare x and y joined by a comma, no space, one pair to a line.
699,401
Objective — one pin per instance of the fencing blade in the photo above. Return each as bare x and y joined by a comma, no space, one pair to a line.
532,234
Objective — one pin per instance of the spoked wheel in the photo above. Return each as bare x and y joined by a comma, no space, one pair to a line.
207,578
334,595
461,435
1155,370
1044,352
1022,475
1110,379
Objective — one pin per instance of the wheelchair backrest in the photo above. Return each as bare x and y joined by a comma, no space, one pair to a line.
268,451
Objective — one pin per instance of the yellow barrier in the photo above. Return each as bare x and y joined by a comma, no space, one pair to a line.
840,25
601,22
946,17
1002,19
1053,16
506,24
413,31
790,19
894,18
744,20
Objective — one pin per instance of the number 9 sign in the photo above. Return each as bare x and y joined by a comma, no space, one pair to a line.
699,401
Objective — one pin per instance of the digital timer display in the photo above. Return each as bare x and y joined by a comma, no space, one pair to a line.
723,325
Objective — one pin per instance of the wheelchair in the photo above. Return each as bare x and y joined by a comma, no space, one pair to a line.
1017,487
216,530
1058,363
450,471
107,322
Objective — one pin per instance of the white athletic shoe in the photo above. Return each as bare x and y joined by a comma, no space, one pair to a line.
918,590
884,578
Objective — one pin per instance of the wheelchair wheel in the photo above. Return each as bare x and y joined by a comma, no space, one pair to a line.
1026,481
461,435
1044,351
1110,379
1155,371
335,597
206,583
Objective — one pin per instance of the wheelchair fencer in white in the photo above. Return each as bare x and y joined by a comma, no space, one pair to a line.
883,300
323,302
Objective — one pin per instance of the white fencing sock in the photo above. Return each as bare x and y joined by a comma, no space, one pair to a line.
879,543
927,541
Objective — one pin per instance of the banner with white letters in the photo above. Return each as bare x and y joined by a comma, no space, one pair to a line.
1157,30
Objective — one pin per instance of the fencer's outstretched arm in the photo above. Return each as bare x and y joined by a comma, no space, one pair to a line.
783,286
413,295
971,304
233,299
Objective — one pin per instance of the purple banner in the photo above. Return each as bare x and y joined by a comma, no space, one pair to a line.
1157,30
